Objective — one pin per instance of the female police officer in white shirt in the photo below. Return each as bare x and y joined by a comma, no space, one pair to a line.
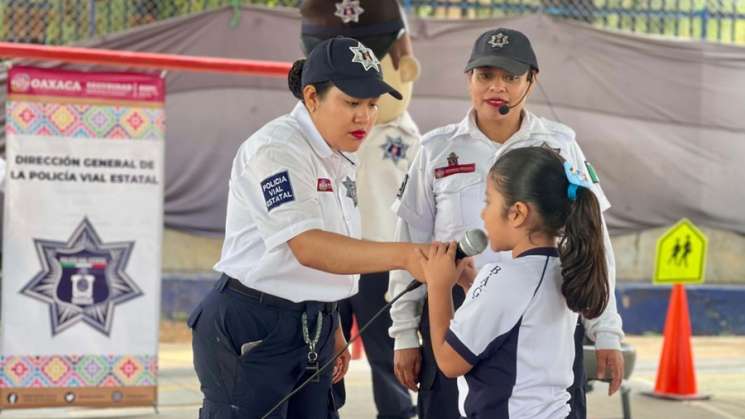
291,248
445,192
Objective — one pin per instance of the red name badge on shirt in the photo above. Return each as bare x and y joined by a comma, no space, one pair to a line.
441,172
454,167
324,185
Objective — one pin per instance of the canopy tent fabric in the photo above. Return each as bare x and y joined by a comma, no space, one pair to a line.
661,120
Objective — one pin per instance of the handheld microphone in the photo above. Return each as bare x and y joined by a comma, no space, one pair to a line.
473,243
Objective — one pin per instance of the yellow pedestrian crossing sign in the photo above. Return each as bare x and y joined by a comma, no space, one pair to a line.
681,255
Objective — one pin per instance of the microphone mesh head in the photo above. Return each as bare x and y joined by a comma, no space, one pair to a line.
474,242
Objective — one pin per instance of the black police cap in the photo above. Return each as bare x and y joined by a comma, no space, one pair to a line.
507,49
375,22
350,65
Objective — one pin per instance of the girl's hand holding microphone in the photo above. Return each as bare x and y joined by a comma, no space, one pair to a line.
441,271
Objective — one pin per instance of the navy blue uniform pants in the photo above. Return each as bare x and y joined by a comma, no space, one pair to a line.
249,354
392,399
438,395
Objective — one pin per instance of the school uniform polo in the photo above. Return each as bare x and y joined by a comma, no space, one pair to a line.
516,330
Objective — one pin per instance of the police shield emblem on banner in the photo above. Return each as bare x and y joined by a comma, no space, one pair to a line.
82,279
81,273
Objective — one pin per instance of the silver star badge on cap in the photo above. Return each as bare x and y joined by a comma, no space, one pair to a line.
349,11
365,56
499,40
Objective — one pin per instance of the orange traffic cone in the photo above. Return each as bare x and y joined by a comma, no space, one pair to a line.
676,377
357,349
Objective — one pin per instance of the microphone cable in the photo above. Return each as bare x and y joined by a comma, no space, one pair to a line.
412,286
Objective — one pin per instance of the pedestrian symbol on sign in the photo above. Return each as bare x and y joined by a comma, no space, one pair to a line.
680,254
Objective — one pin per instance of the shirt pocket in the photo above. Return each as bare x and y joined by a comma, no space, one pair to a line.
459,199
330,211
349,221
472,202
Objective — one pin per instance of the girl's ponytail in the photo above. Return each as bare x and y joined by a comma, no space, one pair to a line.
583,265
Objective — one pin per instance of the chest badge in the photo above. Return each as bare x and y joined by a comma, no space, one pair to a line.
394,149
351,187
454,167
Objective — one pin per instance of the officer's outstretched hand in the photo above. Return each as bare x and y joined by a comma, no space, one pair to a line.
407,364
342,362
413,260
439,265
610,368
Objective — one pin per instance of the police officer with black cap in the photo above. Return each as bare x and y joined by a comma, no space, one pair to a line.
292,246
444,196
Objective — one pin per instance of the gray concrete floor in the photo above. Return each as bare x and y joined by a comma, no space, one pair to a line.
719,361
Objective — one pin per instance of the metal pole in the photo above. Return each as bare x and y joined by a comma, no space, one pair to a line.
91,18
61,39
144,59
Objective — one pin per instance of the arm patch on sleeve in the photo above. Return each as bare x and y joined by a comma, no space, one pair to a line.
277,190
591,171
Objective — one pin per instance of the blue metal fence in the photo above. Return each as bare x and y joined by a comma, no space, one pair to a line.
710,20
65,21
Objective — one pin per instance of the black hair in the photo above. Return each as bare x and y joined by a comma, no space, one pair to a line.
295,81
536,176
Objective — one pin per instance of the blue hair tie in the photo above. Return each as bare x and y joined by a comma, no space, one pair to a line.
576,180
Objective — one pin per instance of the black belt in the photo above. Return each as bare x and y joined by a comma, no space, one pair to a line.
274,301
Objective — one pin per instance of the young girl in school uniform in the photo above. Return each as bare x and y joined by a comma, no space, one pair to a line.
510,344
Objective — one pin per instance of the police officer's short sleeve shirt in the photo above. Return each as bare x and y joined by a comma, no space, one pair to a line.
286,180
